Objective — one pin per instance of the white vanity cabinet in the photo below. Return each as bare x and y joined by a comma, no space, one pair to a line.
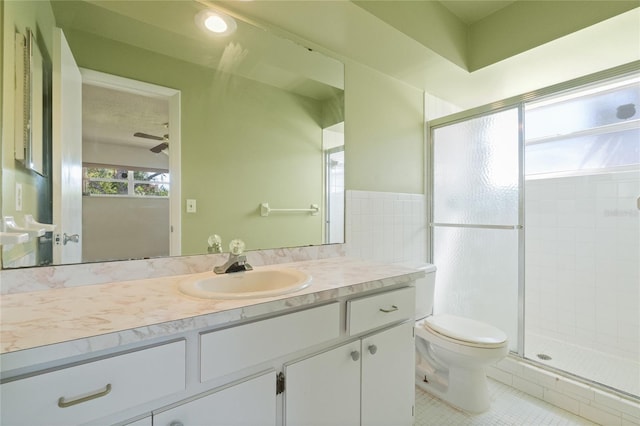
324,389
145,421
250,402
365,382
388,357
81,393
368,381
347,360
387,382
233,349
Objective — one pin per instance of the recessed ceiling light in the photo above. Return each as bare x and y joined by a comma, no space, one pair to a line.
215,22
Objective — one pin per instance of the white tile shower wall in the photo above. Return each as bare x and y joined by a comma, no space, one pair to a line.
592,403
386,226
582,273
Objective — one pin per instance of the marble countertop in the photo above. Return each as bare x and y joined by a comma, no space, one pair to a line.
84,319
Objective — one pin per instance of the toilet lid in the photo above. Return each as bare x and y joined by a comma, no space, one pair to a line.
465,329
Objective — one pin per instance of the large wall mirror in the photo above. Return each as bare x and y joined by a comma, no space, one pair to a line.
180,133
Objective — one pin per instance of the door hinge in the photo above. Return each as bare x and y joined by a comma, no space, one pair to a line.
279,383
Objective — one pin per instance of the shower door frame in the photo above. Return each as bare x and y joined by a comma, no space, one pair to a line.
519,227
510,103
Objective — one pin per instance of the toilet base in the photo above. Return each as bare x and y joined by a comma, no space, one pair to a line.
464,389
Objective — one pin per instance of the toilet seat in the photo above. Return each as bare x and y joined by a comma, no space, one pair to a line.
465,331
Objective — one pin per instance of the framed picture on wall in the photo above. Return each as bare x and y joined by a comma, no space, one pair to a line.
29,104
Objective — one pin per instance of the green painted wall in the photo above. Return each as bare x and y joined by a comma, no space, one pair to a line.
243,143
230,178
526,24
514,29
17,16
1,102
428,22
384,133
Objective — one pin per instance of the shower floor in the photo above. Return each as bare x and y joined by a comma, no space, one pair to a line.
612,371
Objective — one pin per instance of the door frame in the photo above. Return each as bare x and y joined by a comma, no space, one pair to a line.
172,96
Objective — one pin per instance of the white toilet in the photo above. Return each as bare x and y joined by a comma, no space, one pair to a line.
452,351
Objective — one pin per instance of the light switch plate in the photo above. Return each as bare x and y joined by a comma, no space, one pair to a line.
191,206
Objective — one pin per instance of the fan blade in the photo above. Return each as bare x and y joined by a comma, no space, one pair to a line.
159,148
148,136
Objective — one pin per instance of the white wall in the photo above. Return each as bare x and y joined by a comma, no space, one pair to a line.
121,155
124,228
582,250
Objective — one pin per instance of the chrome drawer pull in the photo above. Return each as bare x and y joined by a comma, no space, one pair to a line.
64,404
386,311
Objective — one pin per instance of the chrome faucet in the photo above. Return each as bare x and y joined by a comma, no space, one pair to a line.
237,261
215,244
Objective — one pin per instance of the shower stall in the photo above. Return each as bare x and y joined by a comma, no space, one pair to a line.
535,224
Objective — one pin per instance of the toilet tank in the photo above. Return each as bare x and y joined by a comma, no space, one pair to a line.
425,288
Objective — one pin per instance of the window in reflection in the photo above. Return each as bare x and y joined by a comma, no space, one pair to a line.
119,181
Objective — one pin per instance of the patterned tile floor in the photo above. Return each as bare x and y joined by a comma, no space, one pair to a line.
509,406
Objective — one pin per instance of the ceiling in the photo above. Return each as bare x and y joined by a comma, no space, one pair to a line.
114,116
469,53
472,11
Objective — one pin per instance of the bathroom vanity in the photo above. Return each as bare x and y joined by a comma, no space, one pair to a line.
340,351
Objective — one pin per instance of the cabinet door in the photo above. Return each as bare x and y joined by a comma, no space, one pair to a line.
250,402
388,390
324,389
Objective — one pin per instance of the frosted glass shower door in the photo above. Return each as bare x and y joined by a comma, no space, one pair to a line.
476,227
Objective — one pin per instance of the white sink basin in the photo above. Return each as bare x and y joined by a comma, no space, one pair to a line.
262,282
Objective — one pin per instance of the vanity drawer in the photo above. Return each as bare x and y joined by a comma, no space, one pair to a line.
235,348
367,313
91,390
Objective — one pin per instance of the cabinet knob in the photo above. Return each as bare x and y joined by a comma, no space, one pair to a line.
372,349
355,355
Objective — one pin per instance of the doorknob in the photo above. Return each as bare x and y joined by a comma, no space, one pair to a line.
75,238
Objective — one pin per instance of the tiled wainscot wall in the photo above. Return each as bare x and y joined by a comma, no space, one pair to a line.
386,226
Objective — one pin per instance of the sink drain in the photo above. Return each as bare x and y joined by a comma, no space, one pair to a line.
544,357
